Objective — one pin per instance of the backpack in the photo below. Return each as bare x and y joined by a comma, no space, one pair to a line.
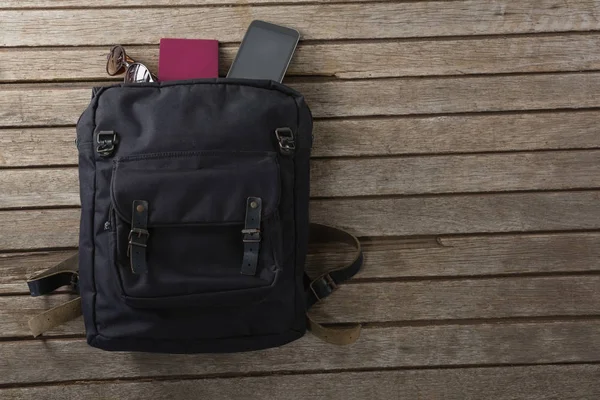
195,221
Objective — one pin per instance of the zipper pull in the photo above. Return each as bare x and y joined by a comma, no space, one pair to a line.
287,141
107,226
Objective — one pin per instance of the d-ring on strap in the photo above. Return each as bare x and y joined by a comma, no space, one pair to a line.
321,287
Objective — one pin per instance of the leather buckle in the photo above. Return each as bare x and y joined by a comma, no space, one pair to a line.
326,282
251,235
142,234
75,282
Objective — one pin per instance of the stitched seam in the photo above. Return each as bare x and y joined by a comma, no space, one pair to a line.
184,154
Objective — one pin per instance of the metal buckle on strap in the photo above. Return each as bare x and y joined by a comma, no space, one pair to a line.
324,281
251,235
106,141
286,140
140,233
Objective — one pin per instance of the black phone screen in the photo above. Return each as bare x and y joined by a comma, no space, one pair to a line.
265,52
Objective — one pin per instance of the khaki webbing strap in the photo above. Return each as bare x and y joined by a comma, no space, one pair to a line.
55,316
64,273
337,336
327,283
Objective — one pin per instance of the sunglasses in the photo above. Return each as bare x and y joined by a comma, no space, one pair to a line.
117,62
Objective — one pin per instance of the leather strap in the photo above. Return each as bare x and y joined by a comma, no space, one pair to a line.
251,235
55,316
62,274
138,237
324,285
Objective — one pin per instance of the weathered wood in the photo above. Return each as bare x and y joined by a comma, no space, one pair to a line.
393,301
30,147
368,136
568,52
445,345
363,177
61,104
462,214
15,311
455,133
461,299
547,382
435,215
16,268
39,229
448,174
399,258
328,21
16,4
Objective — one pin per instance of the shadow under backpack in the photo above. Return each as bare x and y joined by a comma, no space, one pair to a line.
194,221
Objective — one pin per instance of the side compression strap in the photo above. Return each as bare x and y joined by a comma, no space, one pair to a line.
319,288
62,274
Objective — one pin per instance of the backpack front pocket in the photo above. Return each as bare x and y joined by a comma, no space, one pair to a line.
210,231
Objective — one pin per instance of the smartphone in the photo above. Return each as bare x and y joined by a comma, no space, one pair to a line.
265,52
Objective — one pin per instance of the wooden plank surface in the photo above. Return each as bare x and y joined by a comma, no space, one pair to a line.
364,177
368,136
61,104
392,301
16,268
450,256
72,27
548,382
392,347
428,215
34,4
461,214
566,52
441,256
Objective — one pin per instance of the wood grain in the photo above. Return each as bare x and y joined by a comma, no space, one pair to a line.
16,268
368,136
461,214
450,214
365,177
61,104
16,4
450,256
547,382
415,346
568,52
71,27
393,301
451,174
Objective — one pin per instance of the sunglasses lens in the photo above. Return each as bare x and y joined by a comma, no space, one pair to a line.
137,73
114,62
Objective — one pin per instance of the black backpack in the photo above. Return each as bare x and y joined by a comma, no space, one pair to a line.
194,220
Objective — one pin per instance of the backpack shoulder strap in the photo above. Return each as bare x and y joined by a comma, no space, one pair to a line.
62,274
324,285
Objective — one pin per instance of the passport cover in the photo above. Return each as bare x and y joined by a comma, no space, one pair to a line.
188,59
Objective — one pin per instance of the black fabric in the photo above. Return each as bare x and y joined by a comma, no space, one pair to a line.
193,153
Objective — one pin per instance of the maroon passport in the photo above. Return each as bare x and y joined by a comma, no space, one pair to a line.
188,59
